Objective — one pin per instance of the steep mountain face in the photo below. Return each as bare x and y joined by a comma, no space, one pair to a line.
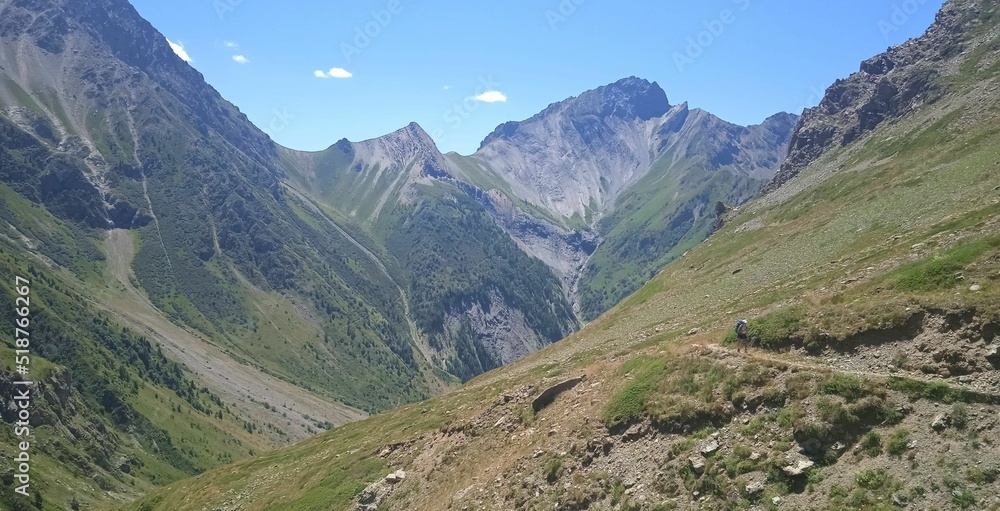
161,153
636,181
887,87
872,284
705,167
178,283
576,157
476,299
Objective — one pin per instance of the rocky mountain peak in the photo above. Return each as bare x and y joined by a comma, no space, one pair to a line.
407,142
409,147
628,99
781,121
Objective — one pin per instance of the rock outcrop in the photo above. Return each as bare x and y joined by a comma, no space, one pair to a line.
887,87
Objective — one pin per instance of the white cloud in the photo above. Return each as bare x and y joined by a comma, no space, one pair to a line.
492,96
337,72
447,87
240,59
179,50
230,44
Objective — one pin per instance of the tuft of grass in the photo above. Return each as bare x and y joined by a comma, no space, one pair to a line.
629,404
960,415
981,476
875,480
963,498
848,386
898,441
871,444
553,469
934,391
942,271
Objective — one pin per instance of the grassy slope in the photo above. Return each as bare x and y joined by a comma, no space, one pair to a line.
843,245
118,406
664,215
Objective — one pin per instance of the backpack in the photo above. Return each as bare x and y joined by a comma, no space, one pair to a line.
739,324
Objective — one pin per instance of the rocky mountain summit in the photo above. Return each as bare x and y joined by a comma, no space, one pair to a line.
578,156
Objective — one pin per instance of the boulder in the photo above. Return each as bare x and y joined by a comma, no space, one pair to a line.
797,465
697,464
940,422
994,356
373,496
709,447
756,486
636,431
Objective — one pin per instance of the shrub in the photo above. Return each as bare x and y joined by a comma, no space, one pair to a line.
979,476
963,498
876,410
789,415
553,469
835,414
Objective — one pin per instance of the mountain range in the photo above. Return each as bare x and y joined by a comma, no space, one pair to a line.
868,269
285,292
205,295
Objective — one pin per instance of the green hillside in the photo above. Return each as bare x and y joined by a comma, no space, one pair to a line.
457,257
134,418
668,212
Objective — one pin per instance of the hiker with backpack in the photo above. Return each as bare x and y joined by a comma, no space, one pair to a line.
742,336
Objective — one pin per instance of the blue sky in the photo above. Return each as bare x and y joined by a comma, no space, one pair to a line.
427,61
